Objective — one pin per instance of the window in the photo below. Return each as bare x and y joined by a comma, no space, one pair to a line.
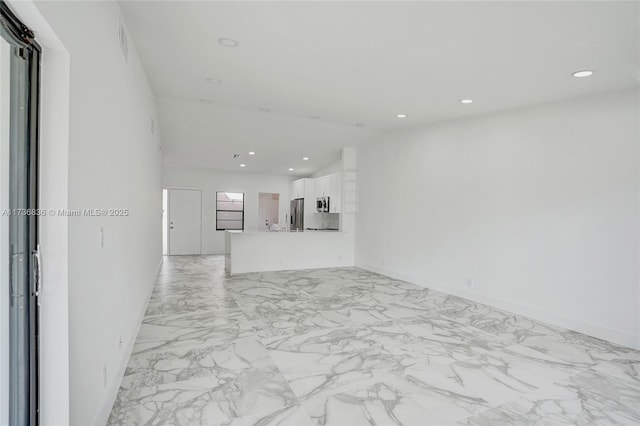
229,211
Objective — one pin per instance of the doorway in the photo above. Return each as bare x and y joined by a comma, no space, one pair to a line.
165,222
19,256
268,211
183,227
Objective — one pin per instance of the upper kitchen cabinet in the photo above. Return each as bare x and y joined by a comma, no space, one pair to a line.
323,186
330,186
298,187
311,189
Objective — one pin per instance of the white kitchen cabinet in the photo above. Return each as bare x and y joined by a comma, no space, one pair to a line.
335,193
297,189
330,186
305,188
323,186
312,189
310,217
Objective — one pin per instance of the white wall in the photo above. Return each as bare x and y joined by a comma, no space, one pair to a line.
538,206
330,169
114,162
212,181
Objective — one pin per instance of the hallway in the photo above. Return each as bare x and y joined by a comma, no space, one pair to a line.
349,347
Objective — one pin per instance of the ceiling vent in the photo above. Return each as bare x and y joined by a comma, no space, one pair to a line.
236,156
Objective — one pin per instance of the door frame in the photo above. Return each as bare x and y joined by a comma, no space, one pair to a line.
53,231
258,221
24,38
188,188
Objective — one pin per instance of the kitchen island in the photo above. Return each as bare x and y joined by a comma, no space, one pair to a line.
256,251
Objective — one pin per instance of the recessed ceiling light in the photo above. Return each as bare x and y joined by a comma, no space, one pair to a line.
212,80
228,42
290,169
401,115
360,124
583,73
466,101
305,158
252,153
206,101
243,165
265,109
315,117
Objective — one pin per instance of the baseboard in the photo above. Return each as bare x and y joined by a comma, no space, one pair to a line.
586,327
105,410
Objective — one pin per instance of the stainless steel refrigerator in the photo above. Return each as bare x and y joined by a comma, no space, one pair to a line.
297,214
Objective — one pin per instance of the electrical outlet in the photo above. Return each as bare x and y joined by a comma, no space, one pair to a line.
469,283
104,376
101,237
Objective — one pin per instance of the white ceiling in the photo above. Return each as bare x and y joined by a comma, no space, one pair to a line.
207,136
363,62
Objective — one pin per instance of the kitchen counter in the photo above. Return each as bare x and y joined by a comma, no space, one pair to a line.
282,231
256,251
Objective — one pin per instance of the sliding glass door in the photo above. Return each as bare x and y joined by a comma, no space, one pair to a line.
19,78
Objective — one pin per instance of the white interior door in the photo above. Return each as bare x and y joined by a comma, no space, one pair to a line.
185,212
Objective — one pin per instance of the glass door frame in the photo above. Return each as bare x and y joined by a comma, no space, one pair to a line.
24,383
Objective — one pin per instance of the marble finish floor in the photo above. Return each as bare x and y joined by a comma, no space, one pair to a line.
348,347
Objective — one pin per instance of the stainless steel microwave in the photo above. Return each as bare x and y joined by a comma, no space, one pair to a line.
322,205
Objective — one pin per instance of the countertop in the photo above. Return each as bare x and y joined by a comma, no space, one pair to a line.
307,231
